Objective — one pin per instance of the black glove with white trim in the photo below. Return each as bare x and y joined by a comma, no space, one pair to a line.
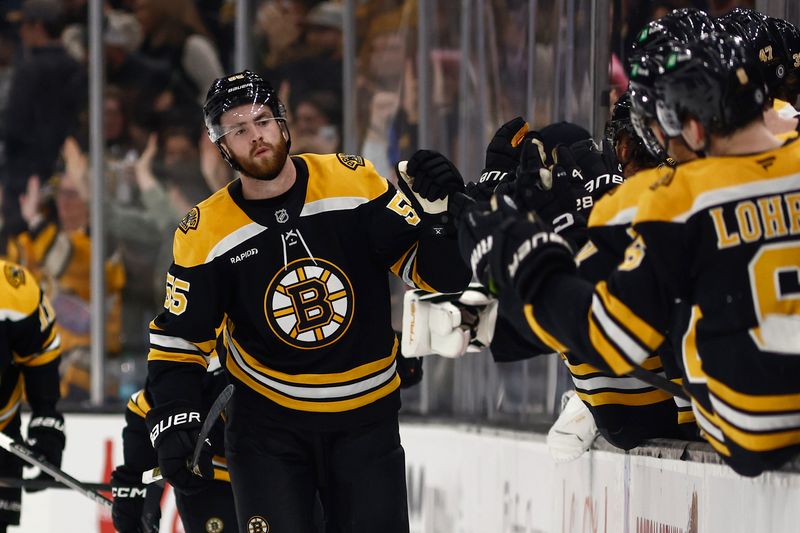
502,158
46,438
505,248
173,432
130,512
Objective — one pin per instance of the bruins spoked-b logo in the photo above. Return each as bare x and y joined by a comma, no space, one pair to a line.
351,161
191,220
309,304
257,524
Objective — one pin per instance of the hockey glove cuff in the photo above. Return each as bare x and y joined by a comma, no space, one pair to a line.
46,438
128,509
173,431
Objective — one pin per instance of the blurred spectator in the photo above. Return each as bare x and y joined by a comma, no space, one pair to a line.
58,251
387,88
314,124
48,92
174,32
279,27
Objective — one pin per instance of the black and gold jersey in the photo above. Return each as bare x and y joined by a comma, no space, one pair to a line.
630,408
31,347
302,281
138,452
720,238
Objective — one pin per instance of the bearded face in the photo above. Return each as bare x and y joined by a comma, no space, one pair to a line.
255,140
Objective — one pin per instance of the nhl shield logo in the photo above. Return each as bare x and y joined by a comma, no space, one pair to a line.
351,161
281,216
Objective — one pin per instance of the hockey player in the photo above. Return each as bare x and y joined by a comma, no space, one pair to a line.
31,351
294,254
137,507
718,237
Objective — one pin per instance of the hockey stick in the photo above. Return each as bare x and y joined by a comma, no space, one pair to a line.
33,483
30,457
216,409
651,378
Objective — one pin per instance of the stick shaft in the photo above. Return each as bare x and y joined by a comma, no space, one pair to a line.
29,456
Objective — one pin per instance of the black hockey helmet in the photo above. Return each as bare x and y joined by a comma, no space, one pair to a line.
764,45
712,80
789,35
620,124
645,70
686,24
238,89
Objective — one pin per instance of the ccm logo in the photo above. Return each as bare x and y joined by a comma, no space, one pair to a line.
171,421
128,492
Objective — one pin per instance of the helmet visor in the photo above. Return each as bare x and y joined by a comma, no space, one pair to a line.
243,119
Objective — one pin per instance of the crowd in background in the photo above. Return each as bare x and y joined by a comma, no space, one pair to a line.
160,56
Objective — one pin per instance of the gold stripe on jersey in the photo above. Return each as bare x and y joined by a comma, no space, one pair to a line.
137,404
11,407
405,268
762,403
642,331
322,399
335,378
587,251
50,352
619,364
220,225
220,465
709,425
703,183
325,193
759,442
540,332
686,417
636,399
159,355
619,206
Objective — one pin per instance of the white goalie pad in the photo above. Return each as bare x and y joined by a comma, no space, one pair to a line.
448,325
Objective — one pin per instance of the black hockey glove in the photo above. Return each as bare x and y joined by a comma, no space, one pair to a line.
428,181
590,170
502,158
435,177
135,509
538,189
525,253
46,438
173,433
476,236
410,371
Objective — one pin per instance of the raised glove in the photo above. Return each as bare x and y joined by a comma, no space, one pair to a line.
476,231
46,438
590,170
132,511
429,178
525,253
502,158
173,433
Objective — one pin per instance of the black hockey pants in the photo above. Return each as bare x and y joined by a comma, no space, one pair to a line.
277,473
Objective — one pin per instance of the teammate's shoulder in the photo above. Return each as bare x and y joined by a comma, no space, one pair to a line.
205,225
19,292
618,206
342,175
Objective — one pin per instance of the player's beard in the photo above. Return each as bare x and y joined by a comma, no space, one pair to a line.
267,167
